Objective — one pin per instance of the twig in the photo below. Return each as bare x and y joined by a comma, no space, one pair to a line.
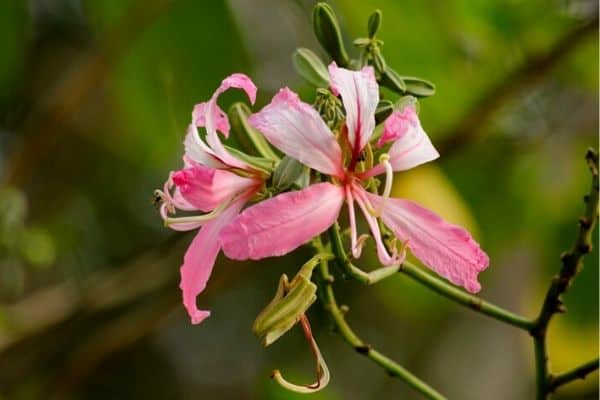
390,366
458,295
527,74
436,284
572,262
576,373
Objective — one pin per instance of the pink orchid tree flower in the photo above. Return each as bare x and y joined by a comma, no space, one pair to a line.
281,224
214,182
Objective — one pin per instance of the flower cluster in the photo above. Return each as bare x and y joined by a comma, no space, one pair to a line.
216,184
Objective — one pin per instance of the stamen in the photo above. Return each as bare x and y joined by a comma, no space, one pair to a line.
384,159
197,218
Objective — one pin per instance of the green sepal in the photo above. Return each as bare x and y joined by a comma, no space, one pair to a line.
263,164
248,136
374,23
328,33
287,172
310,67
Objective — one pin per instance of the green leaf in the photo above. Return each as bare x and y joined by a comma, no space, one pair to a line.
310,67
328,33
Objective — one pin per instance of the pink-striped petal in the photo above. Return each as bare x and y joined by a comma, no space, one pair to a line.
200,258
206,188
360,95
296,129
196,150
279,225
447,249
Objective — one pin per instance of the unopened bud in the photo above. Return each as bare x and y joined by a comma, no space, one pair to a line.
310,67
328,33
374,23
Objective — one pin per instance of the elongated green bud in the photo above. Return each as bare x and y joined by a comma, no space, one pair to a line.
391,80
310,67
418,87
329,35
246,134
374,23
287,172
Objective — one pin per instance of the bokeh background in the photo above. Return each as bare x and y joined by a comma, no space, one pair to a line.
94,100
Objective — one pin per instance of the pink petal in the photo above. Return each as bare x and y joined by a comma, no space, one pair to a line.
200,258
360,95
206,188
412,146
447,249
279,225
220,119
196,150
211,116
296,128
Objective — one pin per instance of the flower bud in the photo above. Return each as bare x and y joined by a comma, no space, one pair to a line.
246,134
288,172
374,23
310,67
328,33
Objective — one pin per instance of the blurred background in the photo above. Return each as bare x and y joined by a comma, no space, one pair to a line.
95,97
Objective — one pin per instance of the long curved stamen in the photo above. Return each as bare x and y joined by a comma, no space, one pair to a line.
382,252
197,218
322,370
356,244
384,159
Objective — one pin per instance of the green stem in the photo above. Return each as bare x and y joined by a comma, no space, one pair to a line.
458,295
576,373
390,366
436,284
572,263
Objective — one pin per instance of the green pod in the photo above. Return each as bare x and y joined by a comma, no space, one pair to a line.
374,23
310,67
287,172
328,33
286,308
248,136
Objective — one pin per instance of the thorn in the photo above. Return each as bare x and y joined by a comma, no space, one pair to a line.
560,308
364,349
584,223
344,309
585,248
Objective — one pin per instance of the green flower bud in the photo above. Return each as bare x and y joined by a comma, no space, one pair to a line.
246,134
310,67
374,23
288,172
328,33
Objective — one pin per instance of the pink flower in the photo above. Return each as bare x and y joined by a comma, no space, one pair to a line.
209,182
283,223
